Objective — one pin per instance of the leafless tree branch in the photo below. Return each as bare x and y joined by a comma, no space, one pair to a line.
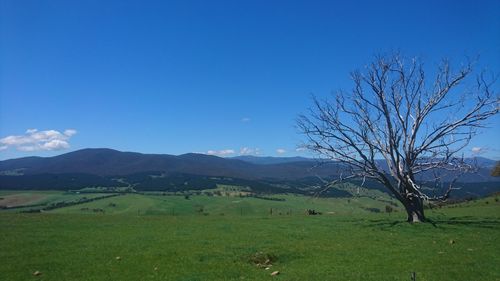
395,114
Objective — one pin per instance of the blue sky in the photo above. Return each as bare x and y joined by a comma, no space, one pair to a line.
209,76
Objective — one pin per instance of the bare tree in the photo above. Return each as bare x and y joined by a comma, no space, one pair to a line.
396,125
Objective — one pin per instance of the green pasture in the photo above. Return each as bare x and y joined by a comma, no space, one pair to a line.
41,198
139,238
221,205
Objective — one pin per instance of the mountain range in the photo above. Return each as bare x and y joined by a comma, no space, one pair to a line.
109,162
108,167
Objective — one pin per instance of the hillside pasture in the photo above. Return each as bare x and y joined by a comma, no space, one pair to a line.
138,238
14,200
20,201
229,205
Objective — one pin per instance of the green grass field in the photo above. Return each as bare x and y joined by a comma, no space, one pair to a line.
221,205
16,198
169,238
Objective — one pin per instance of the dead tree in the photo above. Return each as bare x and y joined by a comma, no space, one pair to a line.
398,127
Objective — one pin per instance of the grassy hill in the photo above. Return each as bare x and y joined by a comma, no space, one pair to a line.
220,206
138,238
155,203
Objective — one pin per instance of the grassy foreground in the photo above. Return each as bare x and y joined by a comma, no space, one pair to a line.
71,244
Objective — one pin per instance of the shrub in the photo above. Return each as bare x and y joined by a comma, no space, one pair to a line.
388,209
373,210
199,209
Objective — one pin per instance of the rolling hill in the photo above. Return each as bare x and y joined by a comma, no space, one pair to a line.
108,162
108,167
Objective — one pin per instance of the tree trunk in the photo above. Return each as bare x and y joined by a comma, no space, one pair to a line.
415,209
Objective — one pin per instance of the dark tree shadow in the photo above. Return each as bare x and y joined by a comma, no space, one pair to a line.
490,223
470,222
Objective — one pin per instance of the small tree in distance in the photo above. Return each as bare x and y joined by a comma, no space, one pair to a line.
397,124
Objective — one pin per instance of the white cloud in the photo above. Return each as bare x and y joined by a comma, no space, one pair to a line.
245,119
223,152
249,151
34,140
477,150
300,149
70,132
280,151
228,152
55,145
27,148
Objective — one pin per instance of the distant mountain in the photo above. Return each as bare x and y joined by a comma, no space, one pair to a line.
107,167
483,162
108,162
262,160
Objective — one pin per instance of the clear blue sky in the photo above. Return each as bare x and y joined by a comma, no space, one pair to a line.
197,76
